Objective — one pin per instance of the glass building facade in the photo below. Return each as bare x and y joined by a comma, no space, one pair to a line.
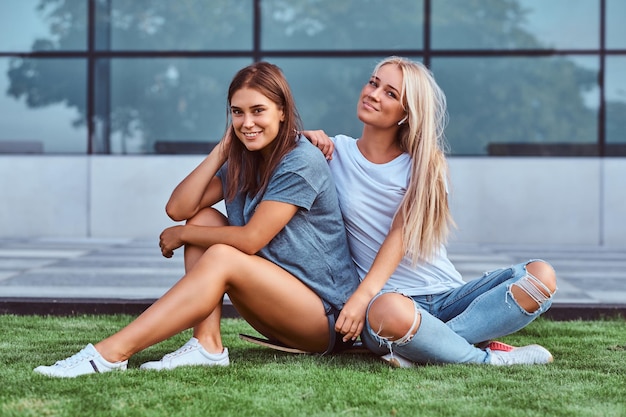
522,77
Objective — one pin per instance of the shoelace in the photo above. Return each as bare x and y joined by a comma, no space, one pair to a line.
74,359
501,358
187,347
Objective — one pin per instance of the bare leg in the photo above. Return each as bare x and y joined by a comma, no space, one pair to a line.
272,296
393,316
208,331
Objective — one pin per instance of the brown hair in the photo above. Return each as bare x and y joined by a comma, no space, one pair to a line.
244,167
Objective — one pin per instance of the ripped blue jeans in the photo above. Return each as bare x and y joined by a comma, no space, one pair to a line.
453,321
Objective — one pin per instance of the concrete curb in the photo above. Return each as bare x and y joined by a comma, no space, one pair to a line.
77,306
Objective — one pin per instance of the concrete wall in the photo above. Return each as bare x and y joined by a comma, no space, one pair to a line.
530,200
579,201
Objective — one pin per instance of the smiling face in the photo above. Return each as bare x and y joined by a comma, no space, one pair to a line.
379,104
256,119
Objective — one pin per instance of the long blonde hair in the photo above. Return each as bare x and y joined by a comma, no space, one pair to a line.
424,210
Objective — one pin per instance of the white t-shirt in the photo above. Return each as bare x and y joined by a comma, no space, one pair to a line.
369,196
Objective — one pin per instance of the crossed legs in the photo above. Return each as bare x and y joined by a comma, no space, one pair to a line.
272,300
393,316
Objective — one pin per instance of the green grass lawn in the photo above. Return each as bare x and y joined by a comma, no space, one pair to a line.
588,377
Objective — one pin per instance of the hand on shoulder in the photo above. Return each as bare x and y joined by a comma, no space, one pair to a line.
320,139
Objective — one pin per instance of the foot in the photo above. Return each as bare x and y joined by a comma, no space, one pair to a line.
397,361
525,355
191,353
87,361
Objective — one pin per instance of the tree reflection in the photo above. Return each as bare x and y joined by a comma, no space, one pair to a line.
491,99
516,100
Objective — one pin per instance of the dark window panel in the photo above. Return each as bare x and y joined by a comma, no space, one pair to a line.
34,25
190,25
500,101
522,24
43,105
326,90
615,27
345,24
165,105
615,97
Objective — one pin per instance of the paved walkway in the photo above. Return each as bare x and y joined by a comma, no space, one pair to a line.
38,272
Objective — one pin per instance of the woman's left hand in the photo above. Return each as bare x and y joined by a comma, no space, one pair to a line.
352,317
170,240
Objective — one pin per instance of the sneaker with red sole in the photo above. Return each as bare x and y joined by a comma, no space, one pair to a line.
496,345
525,355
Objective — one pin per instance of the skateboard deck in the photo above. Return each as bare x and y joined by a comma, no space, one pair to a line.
272,344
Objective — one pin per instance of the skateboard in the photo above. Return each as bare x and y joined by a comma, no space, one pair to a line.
357,347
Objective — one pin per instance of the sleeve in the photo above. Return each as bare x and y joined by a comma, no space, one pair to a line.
221,174
292,188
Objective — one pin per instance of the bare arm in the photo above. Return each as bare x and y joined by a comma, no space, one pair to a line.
269,218
351,320
200,189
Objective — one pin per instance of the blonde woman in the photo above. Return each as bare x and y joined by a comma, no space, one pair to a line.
412,305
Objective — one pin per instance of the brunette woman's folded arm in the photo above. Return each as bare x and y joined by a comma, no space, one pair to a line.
269,218
200,189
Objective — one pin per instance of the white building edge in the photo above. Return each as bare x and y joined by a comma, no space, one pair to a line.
511,200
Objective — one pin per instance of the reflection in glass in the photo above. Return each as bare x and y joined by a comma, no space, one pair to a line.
40,25
157,103
42,105
327,90
615,96
498,101
174,25
520,24
345,24
615,28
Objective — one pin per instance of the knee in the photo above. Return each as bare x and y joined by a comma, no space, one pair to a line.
218,258
536,287
393,316
544,272
208,217
220,251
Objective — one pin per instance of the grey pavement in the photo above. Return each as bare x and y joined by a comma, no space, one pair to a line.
35,272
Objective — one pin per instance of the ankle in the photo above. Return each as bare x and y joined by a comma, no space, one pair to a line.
109,354
211,344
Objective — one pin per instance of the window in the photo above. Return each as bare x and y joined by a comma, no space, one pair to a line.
165,25
153,104
326,90
499,103
43,108
521,24
341,25
616,105
615,29
522,77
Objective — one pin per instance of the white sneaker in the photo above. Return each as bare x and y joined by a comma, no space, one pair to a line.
191,353
87,361
397,361
525,355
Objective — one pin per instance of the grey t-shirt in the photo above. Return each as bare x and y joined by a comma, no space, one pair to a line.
313,245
